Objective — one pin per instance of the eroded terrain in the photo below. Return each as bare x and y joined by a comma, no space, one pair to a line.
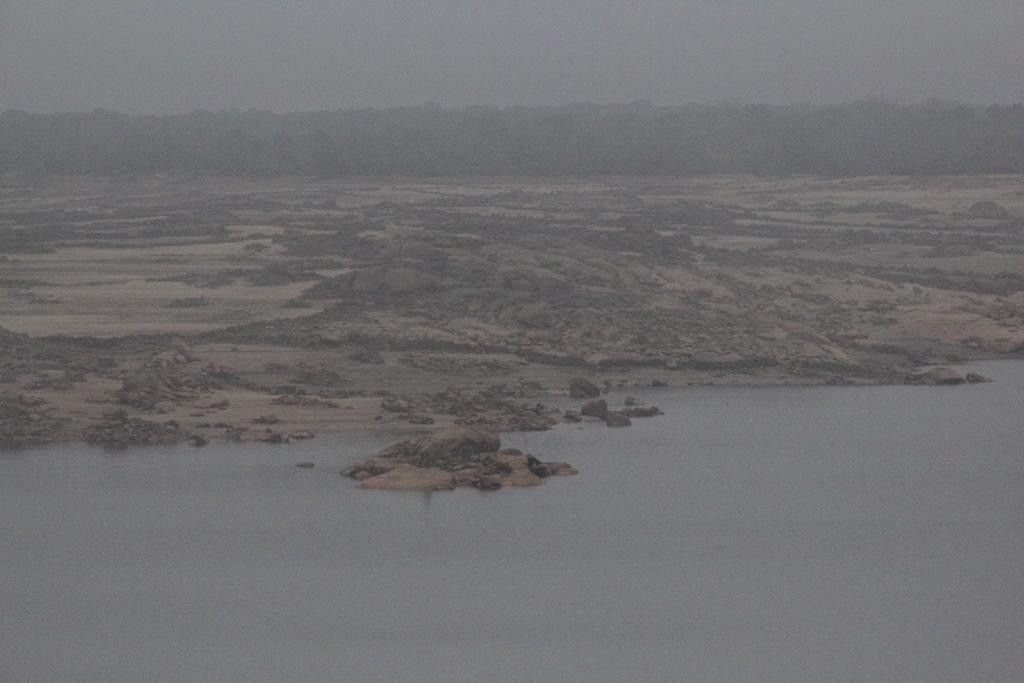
161,309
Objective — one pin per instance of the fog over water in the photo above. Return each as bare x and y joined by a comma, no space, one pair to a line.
152,56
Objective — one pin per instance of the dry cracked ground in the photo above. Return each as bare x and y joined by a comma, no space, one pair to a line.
160,309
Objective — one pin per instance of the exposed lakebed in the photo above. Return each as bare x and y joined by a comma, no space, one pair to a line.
763,534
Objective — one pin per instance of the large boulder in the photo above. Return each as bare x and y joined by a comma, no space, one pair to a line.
614,419
597,408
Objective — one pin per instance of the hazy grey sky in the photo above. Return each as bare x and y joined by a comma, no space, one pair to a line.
177,55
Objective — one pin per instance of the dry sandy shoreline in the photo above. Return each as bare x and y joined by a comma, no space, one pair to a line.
160,309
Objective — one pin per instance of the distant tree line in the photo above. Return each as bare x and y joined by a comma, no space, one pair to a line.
859,138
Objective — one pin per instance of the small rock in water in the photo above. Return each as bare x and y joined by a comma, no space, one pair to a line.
642,411
305,465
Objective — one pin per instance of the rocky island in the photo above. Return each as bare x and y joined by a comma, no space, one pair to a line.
452,458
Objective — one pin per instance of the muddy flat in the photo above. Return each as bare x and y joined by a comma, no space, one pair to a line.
163,309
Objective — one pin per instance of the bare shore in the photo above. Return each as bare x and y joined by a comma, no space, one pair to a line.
161,309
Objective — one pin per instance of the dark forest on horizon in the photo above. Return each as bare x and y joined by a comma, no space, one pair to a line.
859,138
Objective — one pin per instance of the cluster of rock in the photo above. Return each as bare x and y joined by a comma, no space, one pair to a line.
118,431
494,408
452,458
161,382
270,436
642,411
598,408
25,422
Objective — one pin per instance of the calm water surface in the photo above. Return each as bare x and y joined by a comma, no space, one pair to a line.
829,534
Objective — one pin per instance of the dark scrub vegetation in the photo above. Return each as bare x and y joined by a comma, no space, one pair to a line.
859,138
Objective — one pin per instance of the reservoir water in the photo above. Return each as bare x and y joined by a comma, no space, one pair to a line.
762,534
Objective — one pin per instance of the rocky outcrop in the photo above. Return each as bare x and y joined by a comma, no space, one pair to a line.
450,448
936,377
452,458
162,380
